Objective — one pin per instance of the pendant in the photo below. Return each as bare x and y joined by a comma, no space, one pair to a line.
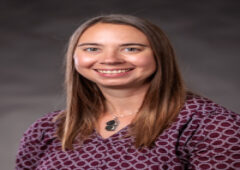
112,124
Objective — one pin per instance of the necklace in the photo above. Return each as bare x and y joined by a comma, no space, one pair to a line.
112,125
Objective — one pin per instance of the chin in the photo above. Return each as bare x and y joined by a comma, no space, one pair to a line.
120,85
114,86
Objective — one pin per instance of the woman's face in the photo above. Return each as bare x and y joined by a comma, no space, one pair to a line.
114,56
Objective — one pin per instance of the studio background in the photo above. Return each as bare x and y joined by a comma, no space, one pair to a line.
34,36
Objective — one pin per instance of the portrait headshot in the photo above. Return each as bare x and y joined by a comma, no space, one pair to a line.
123,89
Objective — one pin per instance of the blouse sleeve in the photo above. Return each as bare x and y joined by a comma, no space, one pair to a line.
216,142
32,144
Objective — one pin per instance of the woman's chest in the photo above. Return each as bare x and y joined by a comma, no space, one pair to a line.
111,155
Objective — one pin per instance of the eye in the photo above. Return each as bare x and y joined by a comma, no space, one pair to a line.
91,49
132,49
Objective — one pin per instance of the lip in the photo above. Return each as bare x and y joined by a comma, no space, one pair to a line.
130,68
116,72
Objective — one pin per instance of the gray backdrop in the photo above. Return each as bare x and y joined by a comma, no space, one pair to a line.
34,35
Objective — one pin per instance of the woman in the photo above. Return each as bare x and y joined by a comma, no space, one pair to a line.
127,108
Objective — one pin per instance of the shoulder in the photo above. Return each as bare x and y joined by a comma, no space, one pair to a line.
46,121
35,140
202,118
44,126
208,131
202,107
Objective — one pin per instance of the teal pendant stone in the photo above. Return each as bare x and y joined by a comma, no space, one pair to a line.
111,125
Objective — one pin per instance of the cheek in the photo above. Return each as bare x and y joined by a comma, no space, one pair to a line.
143,61
83,61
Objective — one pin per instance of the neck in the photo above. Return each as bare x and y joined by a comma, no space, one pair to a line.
124,101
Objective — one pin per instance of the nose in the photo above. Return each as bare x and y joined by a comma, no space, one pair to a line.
111,57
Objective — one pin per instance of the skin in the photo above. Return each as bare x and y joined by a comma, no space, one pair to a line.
119,59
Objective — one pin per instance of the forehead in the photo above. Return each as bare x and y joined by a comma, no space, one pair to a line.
112,31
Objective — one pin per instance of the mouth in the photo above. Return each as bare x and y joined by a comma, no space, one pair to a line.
113,71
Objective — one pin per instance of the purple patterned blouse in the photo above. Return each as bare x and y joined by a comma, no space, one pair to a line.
204,136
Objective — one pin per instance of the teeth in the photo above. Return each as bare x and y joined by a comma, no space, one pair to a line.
113,71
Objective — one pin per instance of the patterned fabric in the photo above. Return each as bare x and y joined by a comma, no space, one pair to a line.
204,136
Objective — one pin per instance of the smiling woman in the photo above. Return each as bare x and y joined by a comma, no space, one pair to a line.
127,108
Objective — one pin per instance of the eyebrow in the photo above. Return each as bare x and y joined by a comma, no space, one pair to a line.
122,45
132,44
85,44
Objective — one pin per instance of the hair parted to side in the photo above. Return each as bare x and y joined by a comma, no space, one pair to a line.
85,102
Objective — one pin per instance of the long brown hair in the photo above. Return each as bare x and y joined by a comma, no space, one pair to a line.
84,100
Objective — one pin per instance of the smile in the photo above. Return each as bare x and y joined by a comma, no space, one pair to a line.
113,71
